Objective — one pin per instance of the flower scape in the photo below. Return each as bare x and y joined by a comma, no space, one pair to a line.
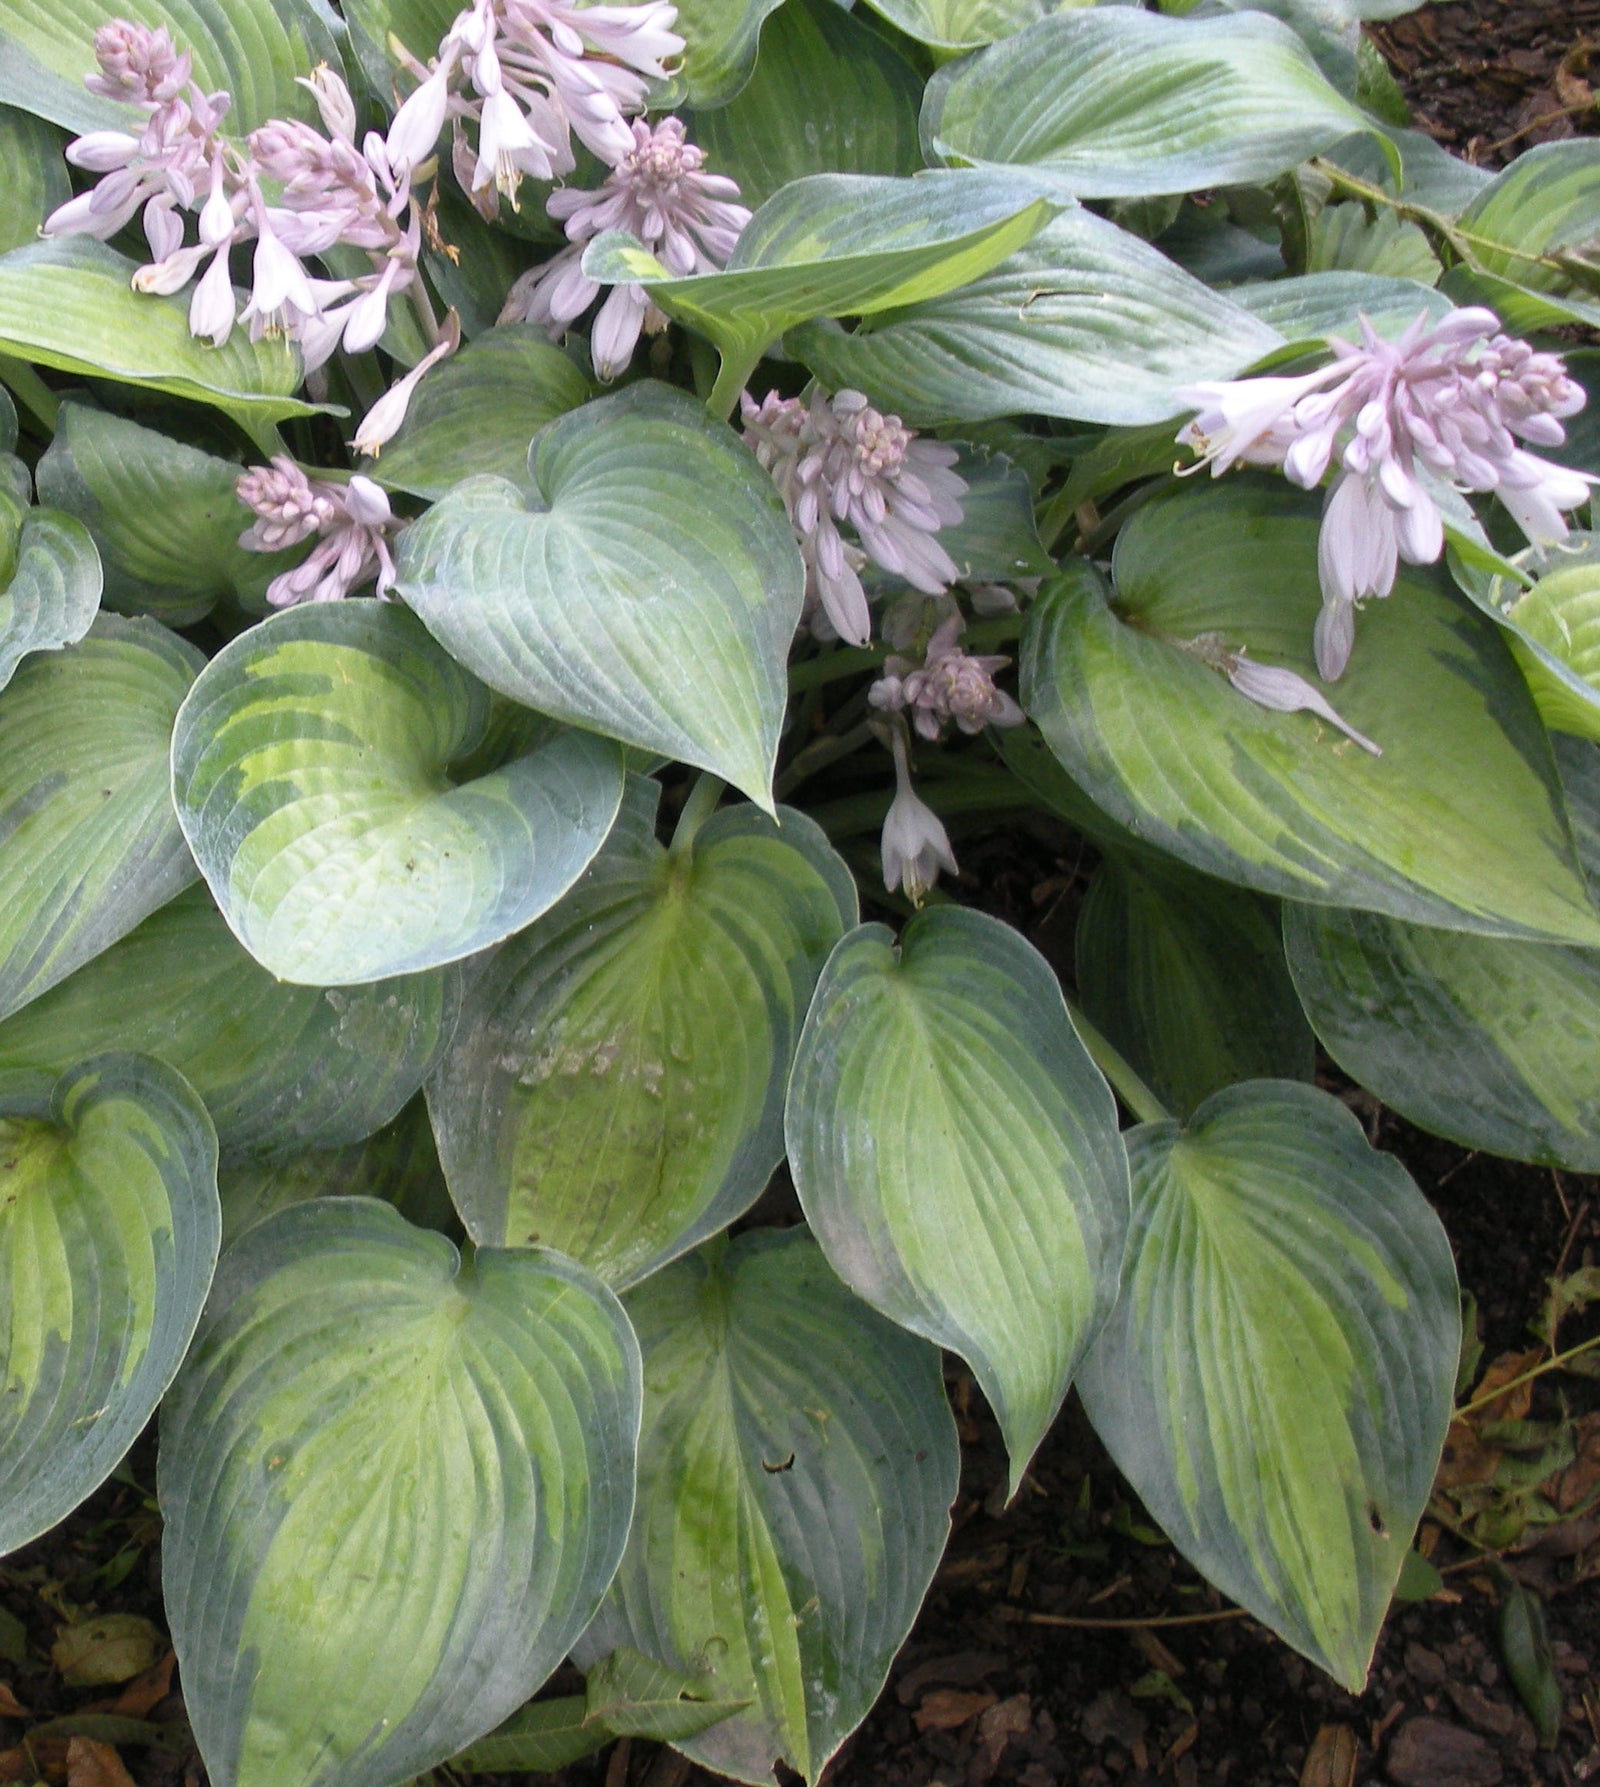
534,567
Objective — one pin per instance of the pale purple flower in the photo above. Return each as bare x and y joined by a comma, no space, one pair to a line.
1450,402
915,845
353,524
948,685
138,65
839,461
660,193
1274,687
382,422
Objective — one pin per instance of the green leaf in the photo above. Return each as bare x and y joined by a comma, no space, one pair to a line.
1117,103
1546,205
108,1236
965,24
1317,305
36,176
91,844
396,1482
615,1086
1344,237
281,1068
1554,630
720,38
796,1467
956,1153
1275,1381
633,1697
997,537
162,514
53,593
1512,1029
835,245
655,542
67,303
1086,321
1458,823
828,96
479,411
1186,978
252,48
538,1739
310,771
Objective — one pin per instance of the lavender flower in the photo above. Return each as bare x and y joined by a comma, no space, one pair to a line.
915,845
839,460
948,685
659,193
1451,402
1271,686
354,523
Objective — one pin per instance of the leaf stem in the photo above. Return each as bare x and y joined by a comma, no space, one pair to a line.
31,392
732,377
697,809
820,753
1554,1363
1125,1082
1089,1624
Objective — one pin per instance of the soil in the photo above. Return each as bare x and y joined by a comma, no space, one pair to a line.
1064,1644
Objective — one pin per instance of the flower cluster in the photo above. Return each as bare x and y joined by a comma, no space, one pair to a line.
1451,402
353,524
949,685
659,193
839,461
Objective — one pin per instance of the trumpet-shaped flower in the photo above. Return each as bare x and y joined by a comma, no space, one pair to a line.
353,525
915,845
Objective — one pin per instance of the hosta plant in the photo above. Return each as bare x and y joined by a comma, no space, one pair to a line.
530,542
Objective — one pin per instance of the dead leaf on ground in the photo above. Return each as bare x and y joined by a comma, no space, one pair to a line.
91,1764
1332,1758
114,1647
1572,1488
947,1708
45,1756
10,1706
146,1692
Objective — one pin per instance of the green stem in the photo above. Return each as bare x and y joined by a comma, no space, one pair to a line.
830,666
732,377
697,809
1551,1364
1125,1082
31,392
820,753
970,791
702,365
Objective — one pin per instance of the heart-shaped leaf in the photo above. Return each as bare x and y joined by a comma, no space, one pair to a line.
834,245
311,774
1115,103
163,516
397,1483
1275,1381
53,593
956,1153
67,303
656,542
36,176
281,1068
796,1467
254,49
92,845
479,411
615,1087
1186,978
828,96
109,1229
1086,321
1458,823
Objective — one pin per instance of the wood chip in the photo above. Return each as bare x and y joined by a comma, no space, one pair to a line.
946,1709
91,1764
1432,1753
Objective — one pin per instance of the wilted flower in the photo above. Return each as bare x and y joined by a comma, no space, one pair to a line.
1451,401
839,460
659,193
948,685
1272,686
915,844
354,522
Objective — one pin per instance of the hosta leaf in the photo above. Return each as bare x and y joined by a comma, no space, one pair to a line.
108,1235
1321,304
1344,237
1554,630
53,593
835,245
628,1694
91,844
1544,206
375,26
1458,823
1086,321
281,1068
538,1739
36,176
997,537
720,38
828,96
1513,1029
1186,977
615,1087
396,1482
965,24
479,411
311,775
1116,103
252,48
163,515
796,1467
1275,1381
956,1153
67,303
655,542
